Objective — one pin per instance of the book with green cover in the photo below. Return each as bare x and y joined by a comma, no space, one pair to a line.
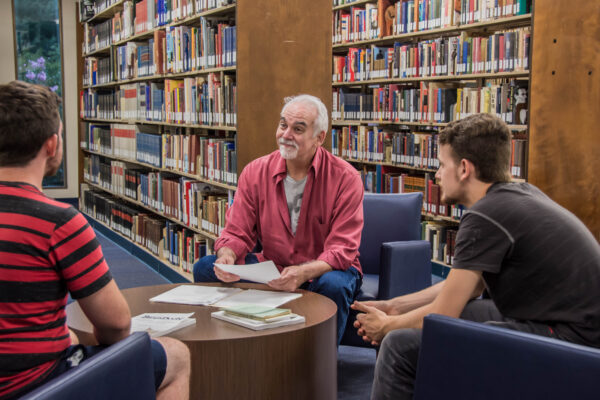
261,313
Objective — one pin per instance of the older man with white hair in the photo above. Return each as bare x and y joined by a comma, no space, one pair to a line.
304,206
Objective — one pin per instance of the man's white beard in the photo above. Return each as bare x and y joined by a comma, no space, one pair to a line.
286,152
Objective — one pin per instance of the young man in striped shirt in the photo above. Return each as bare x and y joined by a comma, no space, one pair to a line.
47,250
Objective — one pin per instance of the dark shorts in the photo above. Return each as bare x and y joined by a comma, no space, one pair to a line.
76,354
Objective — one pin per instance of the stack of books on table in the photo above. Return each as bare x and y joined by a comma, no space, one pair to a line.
258,317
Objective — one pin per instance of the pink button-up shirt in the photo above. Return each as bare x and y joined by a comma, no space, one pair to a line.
330,221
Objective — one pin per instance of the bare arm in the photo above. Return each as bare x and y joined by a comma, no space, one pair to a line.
108,312
403,304
453,295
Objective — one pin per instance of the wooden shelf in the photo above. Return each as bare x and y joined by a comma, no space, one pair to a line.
108,11
353,4
464,77
207,235
339,122
187,275
215,12
140,122
102,50
141,35
493,25
435,217
155,168
387,164
162,76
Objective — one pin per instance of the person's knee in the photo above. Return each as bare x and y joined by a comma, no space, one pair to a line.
332,285
400,341
203,269
178,358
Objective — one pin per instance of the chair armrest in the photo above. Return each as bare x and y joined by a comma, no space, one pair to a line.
121,371
405,268
467,360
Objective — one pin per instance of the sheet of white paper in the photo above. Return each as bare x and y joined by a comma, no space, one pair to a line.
195,295
258,297
262,272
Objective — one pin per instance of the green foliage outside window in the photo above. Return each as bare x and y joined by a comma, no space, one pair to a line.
37,38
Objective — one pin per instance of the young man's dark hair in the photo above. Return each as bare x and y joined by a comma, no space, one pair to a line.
28,117
484,140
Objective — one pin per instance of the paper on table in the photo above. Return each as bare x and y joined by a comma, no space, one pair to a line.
158,324
195,295
258,297
261,272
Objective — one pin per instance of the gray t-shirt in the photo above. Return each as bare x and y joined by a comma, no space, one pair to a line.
293,193
540,263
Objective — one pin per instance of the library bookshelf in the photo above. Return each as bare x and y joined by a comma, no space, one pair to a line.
402,70
176,98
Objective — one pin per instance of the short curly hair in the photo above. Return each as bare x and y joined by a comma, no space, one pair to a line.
29,115
483,139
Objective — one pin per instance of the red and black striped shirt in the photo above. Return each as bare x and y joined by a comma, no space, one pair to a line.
47,250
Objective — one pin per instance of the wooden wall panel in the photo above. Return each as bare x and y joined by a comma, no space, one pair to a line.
564,150
283,48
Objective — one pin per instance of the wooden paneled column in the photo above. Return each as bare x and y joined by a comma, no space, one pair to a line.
283,49
564,152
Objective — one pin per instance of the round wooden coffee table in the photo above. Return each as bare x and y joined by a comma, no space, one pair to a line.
233,362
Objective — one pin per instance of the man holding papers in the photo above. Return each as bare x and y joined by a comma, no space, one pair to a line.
304,206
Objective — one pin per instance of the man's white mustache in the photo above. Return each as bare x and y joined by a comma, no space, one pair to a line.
288,143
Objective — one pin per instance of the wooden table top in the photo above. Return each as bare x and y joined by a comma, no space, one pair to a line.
315,308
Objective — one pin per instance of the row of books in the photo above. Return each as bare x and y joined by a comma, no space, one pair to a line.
382,179
192,203
369,143
442,238
137,59
198,101
175,49
211,45
413,149
172,9
205,5
505,51
97,71
433,102
381,19
212,158
167,240
97,36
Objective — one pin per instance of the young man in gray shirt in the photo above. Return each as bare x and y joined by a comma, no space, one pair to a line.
538,262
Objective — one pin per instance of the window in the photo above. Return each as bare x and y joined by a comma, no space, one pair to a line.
38,55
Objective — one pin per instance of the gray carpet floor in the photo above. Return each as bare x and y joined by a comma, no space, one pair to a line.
355,365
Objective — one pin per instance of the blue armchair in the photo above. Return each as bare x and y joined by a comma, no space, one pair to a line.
393,258
466,360
123,371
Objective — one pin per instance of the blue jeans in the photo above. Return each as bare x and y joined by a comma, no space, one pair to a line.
340,286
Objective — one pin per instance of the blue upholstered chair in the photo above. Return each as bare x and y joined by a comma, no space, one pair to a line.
394,259
467,360
123,371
